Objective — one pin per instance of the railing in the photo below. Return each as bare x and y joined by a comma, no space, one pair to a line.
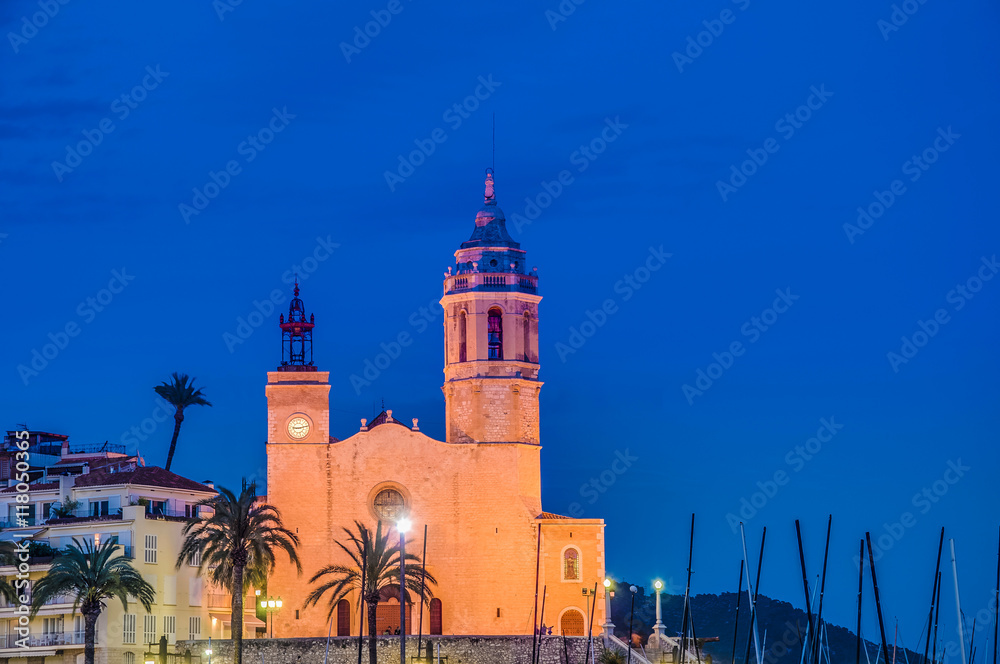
153,513
58,599
491,281
35,639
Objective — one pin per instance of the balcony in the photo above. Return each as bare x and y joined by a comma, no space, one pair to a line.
491,281
40,640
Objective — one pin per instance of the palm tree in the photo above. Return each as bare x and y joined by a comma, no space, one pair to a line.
180,394
237,541
92,574
372,554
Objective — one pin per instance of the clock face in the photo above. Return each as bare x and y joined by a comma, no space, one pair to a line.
298,428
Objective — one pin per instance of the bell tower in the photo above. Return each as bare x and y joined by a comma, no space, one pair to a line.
491,366
298,394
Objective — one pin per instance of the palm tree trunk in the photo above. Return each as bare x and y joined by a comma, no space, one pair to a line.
178,418
237,615
90,617
372,618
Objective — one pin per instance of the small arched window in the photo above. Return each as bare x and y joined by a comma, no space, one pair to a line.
462,352
527,336
495,331
571,564
436,616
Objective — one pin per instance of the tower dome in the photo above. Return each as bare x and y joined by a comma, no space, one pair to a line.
491,225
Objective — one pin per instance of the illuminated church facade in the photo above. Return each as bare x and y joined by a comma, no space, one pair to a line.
478,491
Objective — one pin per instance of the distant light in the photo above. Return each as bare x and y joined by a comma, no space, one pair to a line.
150,661
633,588
403,525
214,620
657,584
208,652
257,592
607,583
270,603
278,603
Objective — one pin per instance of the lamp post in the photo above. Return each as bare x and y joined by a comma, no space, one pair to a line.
403,525
631,613
271,606
659,629
609,627
208,651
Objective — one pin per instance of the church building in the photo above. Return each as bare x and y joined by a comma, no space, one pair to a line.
478,491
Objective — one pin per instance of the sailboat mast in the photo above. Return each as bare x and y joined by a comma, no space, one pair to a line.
878,602
958,601
805,585
930,616
687,591
822,588
861,580
736,626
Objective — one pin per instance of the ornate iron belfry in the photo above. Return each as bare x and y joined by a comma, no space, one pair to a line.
296,337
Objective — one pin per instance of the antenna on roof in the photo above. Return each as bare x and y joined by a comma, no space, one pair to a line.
494,141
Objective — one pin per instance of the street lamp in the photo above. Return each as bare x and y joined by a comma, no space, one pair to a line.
208,651
609,627
403,526
631,613
270,606
659,629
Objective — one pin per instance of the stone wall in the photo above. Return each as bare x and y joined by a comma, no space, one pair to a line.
344,650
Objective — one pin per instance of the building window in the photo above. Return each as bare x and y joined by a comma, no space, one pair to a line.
170,628
527,337
462,344
149,629
571,564
52,625
571,623
343,618
195,560
194,627
128,658
435,616
79,629
150,549
495,330
389,505
128,634
100,508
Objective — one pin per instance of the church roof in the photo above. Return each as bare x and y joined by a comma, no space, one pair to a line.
385,417
491,228
550,515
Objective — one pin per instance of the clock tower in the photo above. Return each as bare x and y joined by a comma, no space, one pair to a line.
298,394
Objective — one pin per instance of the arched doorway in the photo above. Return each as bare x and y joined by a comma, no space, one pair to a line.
343,618
387,612
436,616
571,623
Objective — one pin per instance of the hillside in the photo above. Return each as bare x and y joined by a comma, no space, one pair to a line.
714,615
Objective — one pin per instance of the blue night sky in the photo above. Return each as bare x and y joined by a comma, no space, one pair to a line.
649,132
